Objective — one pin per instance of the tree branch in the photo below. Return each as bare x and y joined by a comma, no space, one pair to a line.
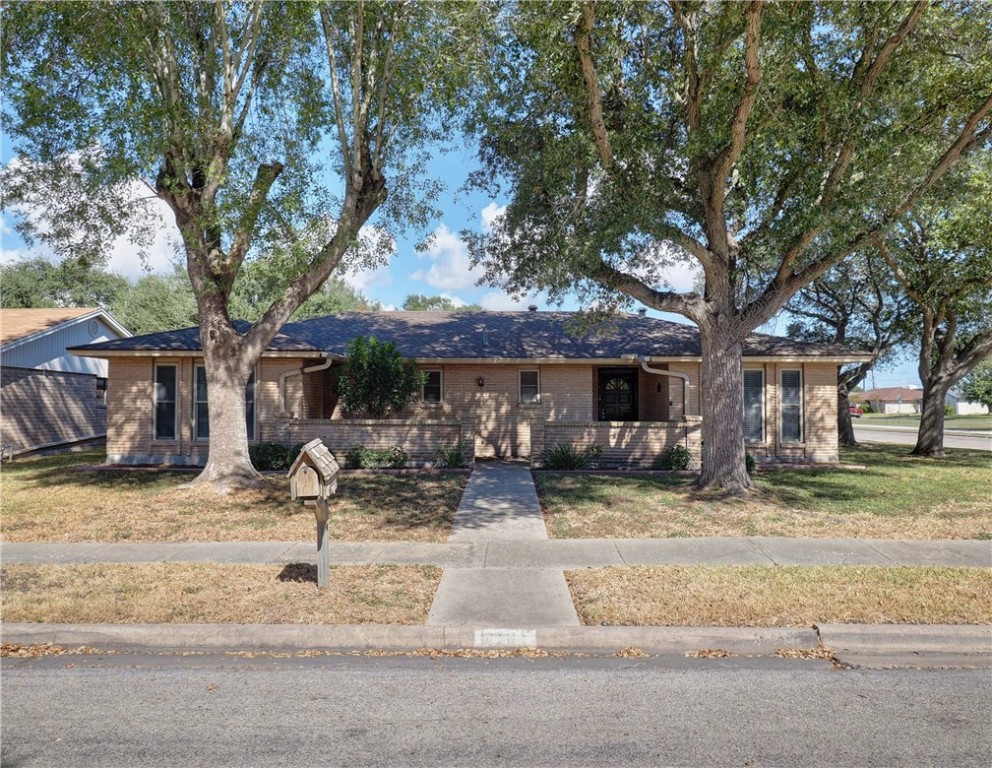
583,33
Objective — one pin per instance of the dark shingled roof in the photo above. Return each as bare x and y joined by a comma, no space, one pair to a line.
188,339
466,335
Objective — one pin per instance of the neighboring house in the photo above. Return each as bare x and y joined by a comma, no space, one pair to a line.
964,407
503,383
891,399
48,397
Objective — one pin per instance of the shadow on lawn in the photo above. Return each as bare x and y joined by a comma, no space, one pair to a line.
299,573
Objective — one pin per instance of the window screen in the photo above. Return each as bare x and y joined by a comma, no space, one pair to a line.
530,387
432,387
250,406
792,406
165,402
754,406
201,414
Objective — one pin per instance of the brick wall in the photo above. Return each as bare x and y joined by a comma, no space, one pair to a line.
490,420
45,408
420,439
631,444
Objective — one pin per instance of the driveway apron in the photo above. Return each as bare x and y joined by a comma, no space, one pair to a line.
500,505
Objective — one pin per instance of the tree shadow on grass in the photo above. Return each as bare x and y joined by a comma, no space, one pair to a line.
298,573
404,502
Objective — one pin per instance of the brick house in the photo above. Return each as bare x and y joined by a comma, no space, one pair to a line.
504,384
50,399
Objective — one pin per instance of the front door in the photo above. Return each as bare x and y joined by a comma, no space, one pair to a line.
618,394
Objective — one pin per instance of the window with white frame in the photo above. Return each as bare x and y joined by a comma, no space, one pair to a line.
201,412
754,405
433,387
164,396
791,399
530,387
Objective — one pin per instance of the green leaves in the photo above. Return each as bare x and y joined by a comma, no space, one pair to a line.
376,381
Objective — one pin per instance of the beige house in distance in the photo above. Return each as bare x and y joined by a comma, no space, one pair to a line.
504,384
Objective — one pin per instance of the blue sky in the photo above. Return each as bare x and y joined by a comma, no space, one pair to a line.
443,269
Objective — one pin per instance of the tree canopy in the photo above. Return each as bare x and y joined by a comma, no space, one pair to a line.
861,305
761,142
269,128
941,254
976,385
417,302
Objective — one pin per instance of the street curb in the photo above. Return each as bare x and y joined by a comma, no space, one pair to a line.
907,638
391,637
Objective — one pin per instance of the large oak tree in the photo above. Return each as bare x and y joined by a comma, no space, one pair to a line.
267,128
763,142
941,253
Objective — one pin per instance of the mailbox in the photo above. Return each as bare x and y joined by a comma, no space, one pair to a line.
314,478
314,474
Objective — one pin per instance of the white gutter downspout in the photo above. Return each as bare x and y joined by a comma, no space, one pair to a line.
284,376
675,374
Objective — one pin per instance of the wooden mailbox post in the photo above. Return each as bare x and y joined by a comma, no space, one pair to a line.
313,478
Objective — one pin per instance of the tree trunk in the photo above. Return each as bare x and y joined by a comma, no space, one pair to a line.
722,411
228,463
845,425
930,440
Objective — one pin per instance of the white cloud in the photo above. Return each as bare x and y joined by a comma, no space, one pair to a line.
681,277
162,249
489,215
450,268
364,279
497,301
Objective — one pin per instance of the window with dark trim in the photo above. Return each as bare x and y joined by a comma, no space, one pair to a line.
754,406
530,386
792,405
433,387
164,396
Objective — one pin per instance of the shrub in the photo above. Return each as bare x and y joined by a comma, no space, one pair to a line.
949,410
267,456
451,456
676,457
749,462
360,457
375,380
273,457
565,456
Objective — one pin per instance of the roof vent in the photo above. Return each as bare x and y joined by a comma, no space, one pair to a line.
642,311
532,308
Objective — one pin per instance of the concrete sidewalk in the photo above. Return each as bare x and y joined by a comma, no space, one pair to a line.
500,507
527,553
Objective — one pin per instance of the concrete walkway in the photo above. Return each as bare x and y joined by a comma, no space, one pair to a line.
526,553
500,506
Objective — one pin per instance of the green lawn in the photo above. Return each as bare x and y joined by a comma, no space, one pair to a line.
973,423
897,496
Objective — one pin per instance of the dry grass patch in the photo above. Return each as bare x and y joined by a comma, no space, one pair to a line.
46,500
177,593
898,496
770,596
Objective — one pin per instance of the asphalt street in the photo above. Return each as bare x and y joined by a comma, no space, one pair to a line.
146,710
908,437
